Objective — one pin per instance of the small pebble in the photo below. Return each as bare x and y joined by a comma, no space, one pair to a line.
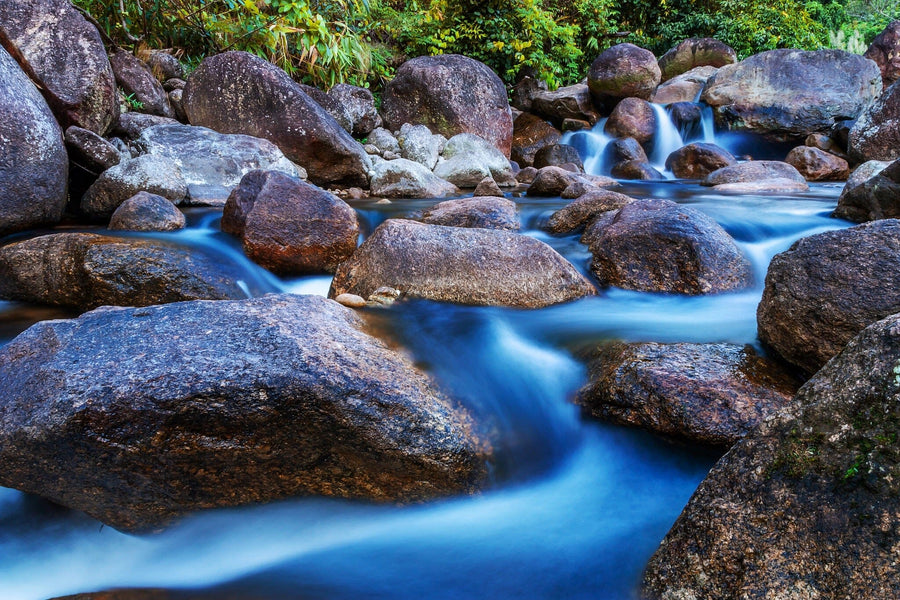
351,300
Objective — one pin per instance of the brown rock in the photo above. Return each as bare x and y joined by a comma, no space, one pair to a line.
557,155
704,393
551,181
818,165
826,288
660,246
488,187
623,71
486,212
636,170
165,66
285,407
137,81
289,226
872,193
530,134
753,171
876,133
585,209
351,300
685,87
570,102
634,118
526,175
693,53
90,151
147,212
359,106
451,94
885,51
697,160
624,150
455,264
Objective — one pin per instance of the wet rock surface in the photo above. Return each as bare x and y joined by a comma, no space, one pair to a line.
147,212
284,407
632,118
588,206
486,212
697,160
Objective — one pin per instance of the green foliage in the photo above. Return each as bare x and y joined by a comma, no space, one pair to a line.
132,102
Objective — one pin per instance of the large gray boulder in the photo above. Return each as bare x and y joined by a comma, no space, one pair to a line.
806,505
876,134
127,414
826,288
87,270
236,92
65,56
788,94
455,264
451,94
468,158
146,173
211,163
403,178
33,162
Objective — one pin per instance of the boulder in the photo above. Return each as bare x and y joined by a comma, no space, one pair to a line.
634,118
570,102
330,104
623,71
212,163
468,158
33,162
289,226
636,170
236,92
176,101
623,150
824,142
828,287
686,117
685,87
806,505
557,155
697,160
488,187
147,212
885,51
551,181
451,94
818,165
131,125
754,171
660,246
147,173
876,133
587,207
788,94
385,141
418,144
296,400
65,57
87,270
695,52
138,82
403,178
465,266
522,94
530,134
872,193
90,151
526,175
485,212
711,394
359,106
164,66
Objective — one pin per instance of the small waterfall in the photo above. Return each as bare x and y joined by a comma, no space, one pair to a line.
707,125
590,145
666,139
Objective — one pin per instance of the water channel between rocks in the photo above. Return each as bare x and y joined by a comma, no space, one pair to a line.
578,508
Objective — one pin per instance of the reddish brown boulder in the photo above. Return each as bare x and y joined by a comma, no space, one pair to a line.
697,160
885,51
623,71
289,226
634,118
585,209
695,52
485,212
818,165
530,134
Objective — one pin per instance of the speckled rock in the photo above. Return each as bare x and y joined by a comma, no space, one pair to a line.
871,193
695,52
286,406
137,80
634,118
164,66
417,143
488,187
465,266
577,215
468,158
828,287
752,172
807,505
636,170
818,165
551,181
403,178
685,87
697,160
384,140
359,106
876,133
885,51
623,71
530,134
147,173
147,212
131,124
569,102
557,155
659,246
485,212
90,151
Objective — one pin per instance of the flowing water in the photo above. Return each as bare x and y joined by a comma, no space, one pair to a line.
577,508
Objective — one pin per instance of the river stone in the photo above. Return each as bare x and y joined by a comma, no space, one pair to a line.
65,57
403,178
686,117
551,181
623,71
685,87
418,144
289,226
697,160
295,400
530,134
754,171
384,140
570,102
212,163
818,165
359,106
147,212
557,155
131,125
623,150
872,193
146,173
33,162
176,101
711,394
876,133
87,270
634,118
485,212
451,94
522,95
808,504
526,175
885,51
137,81
824,142
788,94
465,266
90,151
488,187
826,288
576,215
236,92
468,158
659,246
693,53
636,170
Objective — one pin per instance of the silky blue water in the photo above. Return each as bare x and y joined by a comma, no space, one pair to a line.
577,506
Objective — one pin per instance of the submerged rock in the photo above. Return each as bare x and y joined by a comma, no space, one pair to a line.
485,212
285,405
828,287
455,264
806,505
